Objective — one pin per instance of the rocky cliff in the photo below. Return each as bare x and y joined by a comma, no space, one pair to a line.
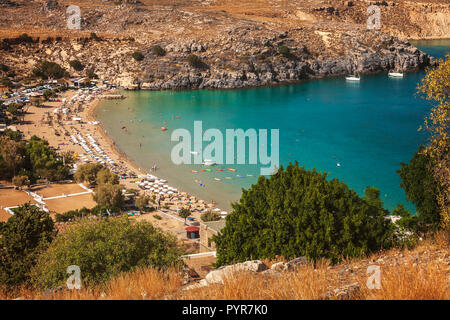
236,43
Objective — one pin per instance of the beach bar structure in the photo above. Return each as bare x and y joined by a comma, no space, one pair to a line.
192,232
207,230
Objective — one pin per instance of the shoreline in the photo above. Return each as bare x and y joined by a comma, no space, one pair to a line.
111,143
58,135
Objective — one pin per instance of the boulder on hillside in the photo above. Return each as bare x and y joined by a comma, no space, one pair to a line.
292,265
217,276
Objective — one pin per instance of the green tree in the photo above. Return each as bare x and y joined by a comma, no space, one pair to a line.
47,69
184,213
11,157
88,173
13,135
300,213
22,238
142,202
43,161
104,175
20,181
103,249
421,187
109,195
436,86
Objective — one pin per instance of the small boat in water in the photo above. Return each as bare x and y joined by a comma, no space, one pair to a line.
209,162
219,169
163,128
354,77
193,171
232,170
395,74
217,179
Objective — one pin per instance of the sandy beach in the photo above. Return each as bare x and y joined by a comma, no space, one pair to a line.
60,130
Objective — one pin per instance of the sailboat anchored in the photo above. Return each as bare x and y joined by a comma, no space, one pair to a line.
354,77
395,74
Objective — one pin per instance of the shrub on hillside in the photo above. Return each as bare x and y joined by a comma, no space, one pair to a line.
157,50
76,65
297,212
138,56
195,61
103,249
48,69
26,234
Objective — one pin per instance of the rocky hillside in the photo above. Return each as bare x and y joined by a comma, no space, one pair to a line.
421,273
236,43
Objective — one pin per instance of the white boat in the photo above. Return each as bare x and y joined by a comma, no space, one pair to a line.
208,162
394,74
352,78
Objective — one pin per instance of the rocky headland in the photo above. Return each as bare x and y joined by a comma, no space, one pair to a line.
219,44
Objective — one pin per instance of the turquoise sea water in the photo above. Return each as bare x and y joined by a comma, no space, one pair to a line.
367,127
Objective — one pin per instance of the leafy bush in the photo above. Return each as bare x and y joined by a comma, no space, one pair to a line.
138,56
157,50
25,38
76,65
286,52
103,249
26,234
4,67
94,36
48,69
195,61
105,210
71,215
300,213
6,82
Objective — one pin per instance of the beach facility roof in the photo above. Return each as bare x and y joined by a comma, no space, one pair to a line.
215,225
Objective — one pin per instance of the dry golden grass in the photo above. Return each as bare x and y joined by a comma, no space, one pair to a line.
141,284
306,284
412,282
418,274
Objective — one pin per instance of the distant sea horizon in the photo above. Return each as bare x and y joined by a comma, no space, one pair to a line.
358,133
